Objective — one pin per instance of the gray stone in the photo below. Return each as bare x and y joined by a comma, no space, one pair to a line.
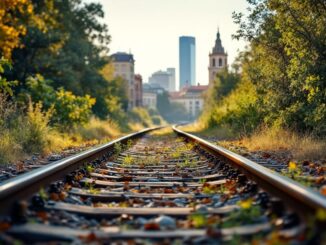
166,222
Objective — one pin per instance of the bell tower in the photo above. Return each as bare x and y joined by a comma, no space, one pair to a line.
218,58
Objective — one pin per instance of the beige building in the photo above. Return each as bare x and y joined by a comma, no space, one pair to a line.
192,98
218,59
124,67
149,99
165,79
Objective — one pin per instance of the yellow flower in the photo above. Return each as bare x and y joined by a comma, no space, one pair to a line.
292,165
30,9
245,204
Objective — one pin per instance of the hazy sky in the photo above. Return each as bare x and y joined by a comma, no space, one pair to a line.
150,29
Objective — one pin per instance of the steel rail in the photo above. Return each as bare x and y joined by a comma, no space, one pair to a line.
28,183
297,197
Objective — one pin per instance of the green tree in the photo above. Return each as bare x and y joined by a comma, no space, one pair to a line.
72,110
5,85
70,52
68,110
163,104
288,61
12,26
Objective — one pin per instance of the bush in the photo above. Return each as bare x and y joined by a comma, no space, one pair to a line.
33,136
72,110
69,110
140,115
97,129
156,120
153,112
237,111
22,133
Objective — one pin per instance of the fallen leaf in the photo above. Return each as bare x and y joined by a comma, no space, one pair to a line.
323,190
42,215
91,237
4,226
54,197
151,227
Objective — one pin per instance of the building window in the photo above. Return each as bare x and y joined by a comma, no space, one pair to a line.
220,62
197,102
213,62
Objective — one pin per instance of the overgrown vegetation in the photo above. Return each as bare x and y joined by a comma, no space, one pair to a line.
56,81
278,83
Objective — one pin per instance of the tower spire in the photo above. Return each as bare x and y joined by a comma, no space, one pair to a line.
218,48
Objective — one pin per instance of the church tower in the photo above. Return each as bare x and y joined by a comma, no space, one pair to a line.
218,58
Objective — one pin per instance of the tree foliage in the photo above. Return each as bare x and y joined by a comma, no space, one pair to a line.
11,26
67,109
286,62
58,51
288,66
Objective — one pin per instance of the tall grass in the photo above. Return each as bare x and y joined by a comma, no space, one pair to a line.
26,131
301,147
219,133
97,129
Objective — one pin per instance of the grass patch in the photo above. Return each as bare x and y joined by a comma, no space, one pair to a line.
222,133
97,129
26,131
302,147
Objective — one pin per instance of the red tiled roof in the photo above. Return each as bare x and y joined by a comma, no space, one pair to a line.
197,88
175,95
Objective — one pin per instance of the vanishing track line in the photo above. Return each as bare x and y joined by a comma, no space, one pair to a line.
173,188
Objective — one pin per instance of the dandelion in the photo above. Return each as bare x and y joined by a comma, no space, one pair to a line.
292,166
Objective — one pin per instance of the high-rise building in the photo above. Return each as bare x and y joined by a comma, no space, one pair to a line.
218,58
165,79
172,79
124,67
138,90
187,61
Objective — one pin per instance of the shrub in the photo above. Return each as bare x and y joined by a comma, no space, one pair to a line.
33,136
10,150
72,110
140,115
238,110
156,120
69,110
97,129
22,132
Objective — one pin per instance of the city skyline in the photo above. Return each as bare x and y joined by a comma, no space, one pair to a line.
150,30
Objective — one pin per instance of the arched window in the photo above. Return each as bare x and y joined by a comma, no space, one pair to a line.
220,62
213,62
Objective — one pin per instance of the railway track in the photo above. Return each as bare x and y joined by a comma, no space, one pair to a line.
151,187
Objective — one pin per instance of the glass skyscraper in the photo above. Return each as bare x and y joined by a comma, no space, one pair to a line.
187,61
